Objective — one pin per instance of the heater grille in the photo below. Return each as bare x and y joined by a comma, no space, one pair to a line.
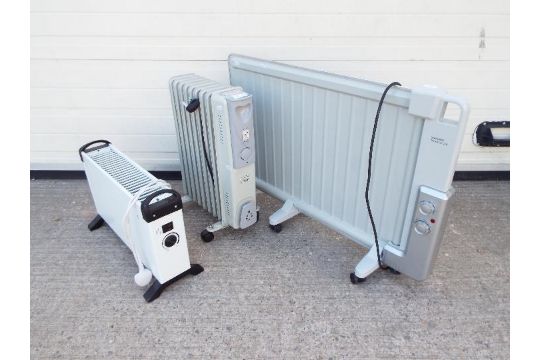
129,175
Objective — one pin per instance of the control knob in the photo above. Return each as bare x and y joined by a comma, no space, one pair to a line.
426,207
422,227
170,240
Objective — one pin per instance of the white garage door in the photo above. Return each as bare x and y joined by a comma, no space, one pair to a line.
100,68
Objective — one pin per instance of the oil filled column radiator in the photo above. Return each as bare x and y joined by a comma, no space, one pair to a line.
216,145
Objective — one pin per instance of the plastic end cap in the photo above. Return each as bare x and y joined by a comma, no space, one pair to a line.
142,278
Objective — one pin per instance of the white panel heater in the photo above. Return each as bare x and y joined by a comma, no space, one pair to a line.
313,132
216,144
143,211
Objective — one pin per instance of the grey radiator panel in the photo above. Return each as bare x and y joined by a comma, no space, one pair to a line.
313,142
313,131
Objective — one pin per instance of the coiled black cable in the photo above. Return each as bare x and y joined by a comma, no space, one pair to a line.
381,101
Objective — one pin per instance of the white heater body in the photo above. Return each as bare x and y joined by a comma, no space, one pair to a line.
160,241
222,126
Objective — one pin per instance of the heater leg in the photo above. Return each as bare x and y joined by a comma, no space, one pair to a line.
287,211
216,227
366,266
157,288
96,223
207,234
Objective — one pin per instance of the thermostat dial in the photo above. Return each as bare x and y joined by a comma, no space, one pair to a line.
426,207
422,227
170,240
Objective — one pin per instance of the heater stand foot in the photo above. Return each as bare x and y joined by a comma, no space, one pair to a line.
355,279
157,288
96,223
366,266
196,269
287,211
276,228
207,234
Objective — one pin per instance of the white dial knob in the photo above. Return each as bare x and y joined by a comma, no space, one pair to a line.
422,227
426,207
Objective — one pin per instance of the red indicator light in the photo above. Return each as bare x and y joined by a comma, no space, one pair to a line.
432,221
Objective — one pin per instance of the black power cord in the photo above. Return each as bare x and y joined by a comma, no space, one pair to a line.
193,105
205,153
381,101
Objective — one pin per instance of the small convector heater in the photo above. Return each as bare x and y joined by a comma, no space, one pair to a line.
145,212
313,133
216,144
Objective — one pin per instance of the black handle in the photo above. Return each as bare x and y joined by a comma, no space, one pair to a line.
150,197
85,146
193,105
484,135
161,208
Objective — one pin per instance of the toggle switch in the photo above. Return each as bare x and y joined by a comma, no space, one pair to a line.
245,154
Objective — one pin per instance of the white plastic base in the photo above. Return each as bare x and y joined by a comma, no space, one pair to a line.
287,211
368,264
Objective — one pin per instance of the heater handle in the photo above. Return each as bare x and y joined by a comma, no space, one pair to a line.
85,146
151,212
463,107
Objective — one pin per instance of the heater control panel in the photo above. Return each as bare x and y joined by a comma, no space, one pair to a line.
240,110
425,235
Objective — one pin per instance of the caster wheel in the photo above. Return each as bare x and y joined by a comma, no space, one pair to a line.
393,271
207,236
276,228
356,280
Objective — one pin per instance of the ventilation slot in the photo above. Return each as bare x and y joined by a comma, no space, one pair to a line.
228,204
221,131
123,171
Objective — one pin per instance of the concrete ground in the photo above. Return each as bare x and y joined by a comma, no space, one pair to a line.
267,295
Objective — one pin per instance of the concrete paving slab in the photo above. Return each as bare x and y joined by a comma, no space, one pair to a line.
267,295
